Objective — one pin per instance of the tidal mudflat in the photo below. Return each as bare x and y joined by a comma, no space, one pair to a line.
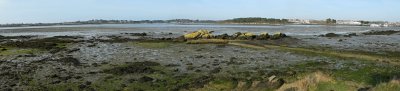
120,57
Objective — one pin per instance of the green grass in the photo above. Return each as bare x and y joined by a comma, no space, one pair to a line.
329,86
17,51
152,45
62,45
109,83
208,41
363,73
371,75
64,87
165,79
391,86
220,85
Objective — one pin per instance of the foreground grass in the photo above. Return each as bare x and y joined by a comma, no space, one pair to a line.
393,85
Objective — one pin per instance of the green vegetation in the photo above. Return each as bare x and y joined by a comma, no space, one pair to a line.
330,21
391,86
152,45
5,51
148,76
337,86
208,41
364,73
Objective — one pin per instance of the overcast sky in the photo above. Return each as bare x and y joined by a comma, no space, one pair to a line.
33,11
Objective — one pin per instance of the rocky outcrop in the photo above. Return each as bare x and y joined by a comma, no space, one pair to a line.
205,34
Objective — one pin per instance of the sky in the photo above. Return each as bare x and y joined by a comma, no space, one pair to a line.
50,11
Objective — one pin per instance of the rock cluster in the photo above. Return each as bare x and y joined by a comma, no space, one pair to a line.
205,34
198,34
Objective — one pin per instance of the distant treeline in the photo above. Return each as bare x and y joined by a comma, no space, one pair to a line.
142,21
249,20
101,21
258,20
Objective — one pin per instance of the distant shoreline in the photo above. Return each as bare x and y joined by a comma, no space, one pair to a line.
236,21
16,26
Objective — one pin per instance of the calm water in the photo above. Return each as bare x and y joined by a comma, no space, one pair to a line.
104,29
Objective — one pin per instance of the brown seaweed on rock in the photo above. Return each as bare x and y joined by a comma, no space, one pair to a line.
51,44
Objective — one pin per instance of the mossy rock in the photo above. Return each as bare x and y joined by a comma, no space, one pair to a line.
206,36
198,34
263,36
246,36
192,35
223,36
278,35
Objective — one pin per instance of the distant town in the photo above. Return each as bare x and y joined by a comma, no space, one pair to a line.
244,21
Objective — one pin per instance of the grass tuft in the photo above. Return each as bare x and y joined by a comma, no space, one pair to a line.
208,41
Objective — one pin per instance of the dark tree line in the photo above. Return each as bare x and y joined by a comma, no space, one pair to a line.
258,20
101,21
330,21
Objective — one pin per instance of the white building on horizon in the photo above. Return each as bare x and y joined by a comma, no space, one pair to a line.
348,22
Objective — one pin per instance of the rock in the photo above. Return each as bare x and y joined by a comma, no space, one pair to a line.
56,82
199,56
136,67
73,50
216,70
232,59
276,83
172,65
351,34
364,89
138,34
272,83
95,64
145,79
92,45
271,78
206,36
82,86
176,70
246,36
78,77
88,83
69,61
199,34
263,36
190,68
223,36
3,49
331,35
376,32
278,35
